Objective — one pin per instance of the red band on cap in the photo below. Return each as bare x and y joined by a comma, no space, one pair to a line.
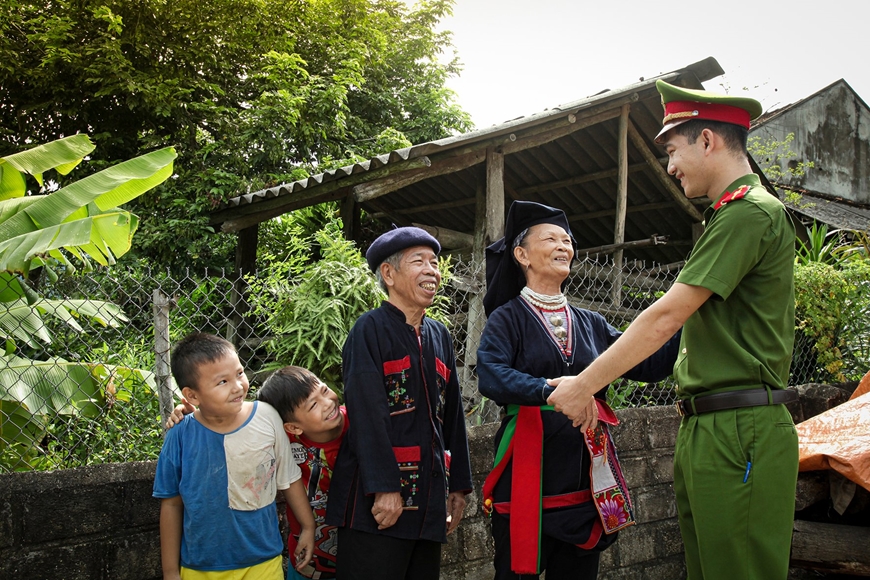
688,110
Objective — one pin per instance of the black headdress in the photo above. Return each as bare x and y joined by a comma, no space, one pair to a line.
504,279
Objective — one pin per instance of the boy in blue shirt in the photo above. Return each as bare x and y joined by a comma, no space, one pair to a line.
315,423
218,473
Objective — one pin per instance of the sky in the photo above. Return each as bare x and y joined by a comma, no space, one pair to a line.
523,56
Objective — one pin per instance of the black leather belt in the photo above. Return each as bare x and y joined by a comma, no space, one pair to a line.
734,400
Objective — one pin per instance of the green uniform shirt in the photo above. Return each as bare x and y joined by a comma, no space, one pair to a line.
742,337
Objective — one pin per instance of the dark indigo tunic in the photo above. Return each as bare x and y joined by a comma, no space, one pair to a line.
516,356
406,411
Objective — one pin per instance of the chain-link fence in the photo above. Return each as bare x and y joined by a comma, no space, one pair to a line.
81,382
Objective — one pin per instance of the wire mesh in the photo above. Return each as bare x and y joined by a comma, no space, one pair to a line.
80,380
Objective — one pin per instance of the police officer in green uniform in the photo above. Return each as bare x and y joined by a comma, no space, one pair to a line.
736,457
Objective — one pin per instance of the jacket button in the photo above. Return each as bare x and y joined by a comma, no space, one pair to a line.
436,475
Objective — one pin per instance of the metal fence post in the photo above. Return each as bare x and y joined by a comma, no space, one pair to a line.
162,304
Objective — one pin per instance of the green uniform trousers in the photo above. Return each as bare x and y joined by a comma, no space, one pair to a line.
735,473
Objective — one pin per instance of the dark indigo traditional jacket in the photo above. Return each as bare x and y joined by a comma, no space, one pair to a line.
403,400
516,356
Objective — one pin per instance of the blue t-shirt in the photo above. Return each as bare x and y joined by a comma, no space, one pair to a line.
227,482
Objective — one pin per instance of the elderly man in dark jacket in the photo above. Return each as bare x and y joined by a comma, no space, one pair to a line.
403,471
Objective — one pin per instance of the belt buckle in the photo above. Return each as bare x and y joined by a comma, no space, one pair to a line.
680,411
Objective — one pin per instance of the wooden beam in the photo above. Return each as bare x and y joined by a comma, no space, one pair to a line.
246,263
378,187
430,207
621,205
662,175
479,243
609,248
386,215
275,200
832,548
494,195
598,175
577,124
572,121
476,315
622,180
252,219
630,209
449,239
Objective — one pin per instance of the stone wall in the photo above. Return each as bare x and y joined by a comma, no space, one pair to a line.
651,550
91,523
101,523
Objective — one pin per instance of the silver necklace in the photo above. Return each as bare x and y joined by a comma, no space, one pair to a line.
543,301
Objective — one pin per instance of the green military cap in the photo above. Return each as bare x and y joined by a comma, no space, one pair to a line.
683,105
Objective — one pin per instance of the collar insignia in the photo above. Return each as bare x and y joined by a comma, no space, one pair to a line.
730,196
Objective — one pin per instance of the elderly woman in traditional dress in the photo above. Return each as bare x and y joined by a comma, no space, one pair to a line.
556,493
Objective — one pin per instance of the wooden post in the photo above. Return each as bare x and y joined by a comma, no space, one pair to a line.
162,304
476,316
621,205
246,263
350,218
494,195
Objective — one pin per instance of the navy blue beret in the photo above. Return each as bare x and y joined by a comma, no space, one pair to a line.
396,240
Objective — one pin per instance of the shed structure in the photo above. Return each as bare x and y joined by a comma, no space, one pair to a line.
831,128
595,158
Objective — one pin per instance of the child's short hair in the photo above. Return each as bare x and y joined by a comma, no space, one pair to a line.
194,350
287,388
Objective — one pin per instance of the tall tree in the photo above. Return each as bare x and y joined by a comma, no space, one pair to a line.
251,93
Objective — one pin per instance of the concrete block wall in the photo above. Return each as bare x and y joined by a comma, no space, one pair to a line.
101,523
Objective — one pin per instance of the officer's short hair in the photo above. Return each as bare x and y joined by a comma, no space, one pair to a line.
734,136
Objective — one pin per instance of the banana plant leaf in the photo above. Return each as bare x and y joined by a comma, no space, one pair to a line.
21,433
10,207
32,391
12,183
107,189
63,155
11,287
23,321
50,387
20,320
103,313
103,237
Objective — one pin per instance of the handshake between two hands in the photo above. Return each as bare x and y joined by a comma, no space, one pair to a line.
570,399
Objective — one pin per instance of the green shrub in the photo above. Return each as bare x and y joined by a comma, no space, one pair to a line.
831,308
312,294
309,307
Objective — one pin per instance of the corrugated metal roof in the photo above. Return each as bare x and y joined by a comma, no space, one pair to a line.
835,212
565,157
